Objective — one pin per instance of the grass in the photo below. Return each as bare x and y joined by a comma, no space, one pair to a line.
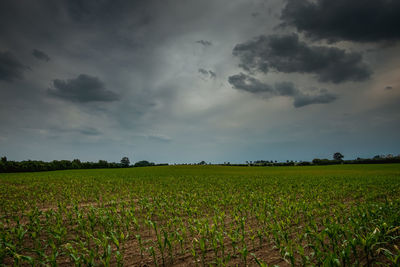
200,215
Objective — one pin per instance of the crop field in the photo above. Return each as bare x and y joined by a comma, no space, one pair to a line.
343,215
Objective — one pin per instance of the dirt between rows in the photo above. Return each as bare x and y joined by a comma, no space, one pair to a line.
266,252
131,248
132,257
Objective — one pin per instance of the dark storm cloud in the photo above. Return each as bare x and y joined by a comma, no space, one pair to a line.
286,53
86,10
10,68
108,10
204,42
40,55
83,89
250,84
355,20
208,73
94,26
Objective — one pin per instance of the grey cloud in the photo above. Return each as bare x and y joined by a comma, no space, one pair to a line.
250,84
89,131
355,20
159,138
40,55
83,89
10,68
203,71
212,74
286,53
208,73
247,83
286,89
204,42
323,97
156,137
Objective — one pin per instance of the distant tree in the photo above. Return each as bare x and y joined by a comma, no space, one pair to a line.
338,156
4,159
202,162
102,164
76,164
125,162
143,163
323,162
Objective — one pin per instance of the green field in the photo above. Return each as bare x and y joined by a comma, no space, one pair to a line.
341,215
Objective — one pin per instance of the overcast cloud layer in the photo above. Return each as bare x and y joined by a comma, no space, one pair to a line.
185,81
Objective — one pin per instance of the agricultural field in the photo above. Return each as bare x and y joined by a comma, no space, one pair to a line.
343,215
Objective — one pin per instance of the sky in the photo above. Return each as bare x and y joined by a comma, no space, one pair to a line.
181,81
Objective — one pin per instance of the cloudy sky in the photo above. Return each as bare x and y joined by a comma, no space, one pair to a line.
187,80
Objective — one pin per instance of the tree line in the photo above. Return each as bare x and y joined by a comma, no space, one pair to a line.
37,165
336,159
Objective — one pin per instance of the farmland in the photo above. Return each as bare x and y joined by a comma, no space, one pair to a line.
342,215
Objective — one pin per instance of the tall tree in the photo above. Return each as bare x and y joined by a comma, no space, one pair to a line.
125,162
338,156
